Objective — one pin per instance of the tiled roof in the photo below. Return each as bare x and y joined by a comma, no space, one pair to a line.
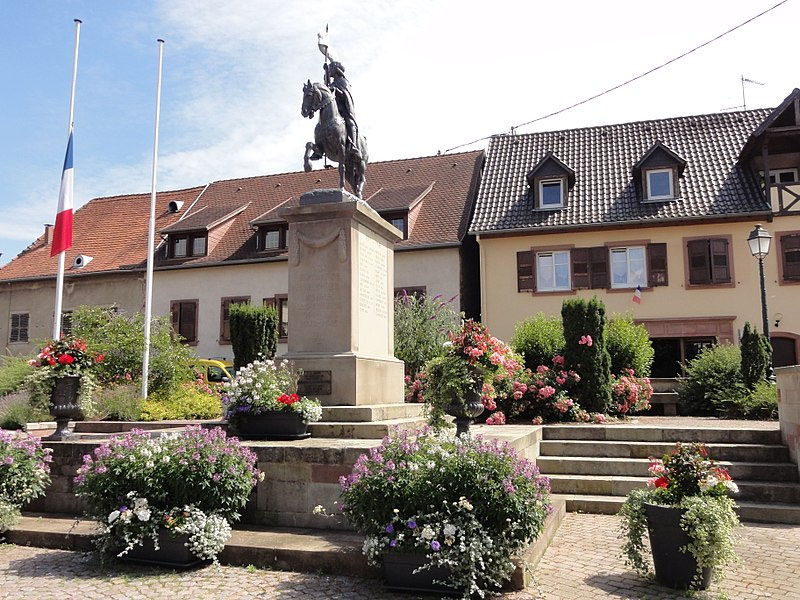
113,231
444,212
712,185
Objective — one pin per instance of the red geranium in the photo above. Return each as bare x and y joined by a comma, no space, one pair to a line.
288,399
66,359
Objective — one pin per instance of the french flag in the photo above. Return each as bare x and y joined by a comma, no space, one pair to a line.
637,295
62,234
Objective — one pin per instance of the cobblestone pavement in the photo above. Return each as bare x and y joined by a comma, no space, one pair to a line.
582,563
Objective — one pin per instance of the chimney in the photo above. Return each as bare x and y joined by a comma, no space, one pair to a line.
48,233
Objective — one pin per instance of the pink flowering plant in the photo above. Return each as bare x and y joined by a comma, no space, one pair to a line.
194,482
631,393
468,504
24,474
688,479
473,360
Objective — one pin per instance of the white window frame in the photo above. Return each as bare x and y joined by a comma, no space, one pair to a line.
776,174
27,328
542,183
628,283
671,173
552,255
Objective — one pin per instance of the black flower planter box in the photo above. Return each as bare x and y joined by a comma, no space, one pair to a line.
674,568
273,425
398,573
172,552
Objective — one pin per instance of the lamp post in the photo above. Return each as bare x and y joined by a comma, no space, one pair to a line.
759,241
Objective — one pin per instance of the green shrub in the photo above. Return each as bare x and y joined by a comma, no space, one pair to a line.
714,373
538,339
421,325
756,356
585,352
120,338
739,402
254,333
118,403
185,401
19,412
629,346
13,371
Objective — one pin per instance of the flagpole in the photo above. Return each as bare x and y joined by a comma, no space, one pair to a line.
62,255
151,234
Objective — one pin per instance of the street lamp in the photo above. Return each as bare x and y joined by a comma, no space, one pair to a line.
759,241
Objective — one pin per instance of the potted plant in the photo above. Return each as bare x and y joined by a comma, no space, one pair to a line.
262,402
461,381
689,518
170,499
24,474
62,375
444,515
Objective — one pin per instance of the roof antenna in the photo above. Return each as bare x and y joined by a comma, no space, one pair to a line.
743,105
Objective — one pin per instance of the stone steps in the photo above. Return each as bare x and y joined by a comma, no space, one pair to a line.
284,548
637,467
633,449
371,412
654,433
361,429
605,485
754,512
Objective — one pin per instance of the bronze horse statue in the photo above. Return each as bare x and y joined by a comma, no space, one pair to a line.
330,137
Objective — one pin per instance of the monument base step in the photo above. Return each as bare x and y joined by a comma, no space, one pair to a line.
289,549
363,430
371,412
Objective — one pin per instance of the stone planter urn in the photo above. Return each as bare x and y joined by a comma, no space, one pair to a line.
273,425
64,405
466,409
674,568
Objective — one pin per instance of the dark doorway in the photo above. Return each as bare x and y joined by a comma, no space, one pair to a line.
784,352
672,353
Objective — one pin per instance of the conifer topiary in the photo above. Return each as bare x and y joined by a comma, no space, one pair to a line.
585,352
254,333
756,354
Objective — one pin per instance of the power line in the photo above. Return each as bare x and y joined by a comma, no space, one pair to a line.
624,83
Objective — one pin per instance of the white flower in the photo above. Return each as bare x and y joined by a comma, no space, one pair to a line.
428,533
113,516
139,503
450,529
149,464
731,486
143,515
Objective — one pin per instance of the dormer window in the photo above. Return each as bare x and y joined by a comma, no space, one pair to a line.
272,237
550,181
187,245
551,193
399,220
660,185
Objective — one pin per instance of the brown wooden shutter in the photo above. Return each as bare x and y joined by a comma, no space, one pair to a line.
580,268
699,267
720,268
188,319
175,311
598,267
525,271
790,255
657,265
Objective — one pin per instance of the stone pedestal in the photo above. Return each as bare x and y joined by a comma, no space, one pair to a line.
341,289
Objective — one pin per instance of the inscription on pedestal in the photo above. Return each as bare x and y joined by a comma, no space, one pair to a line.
372,266
314,383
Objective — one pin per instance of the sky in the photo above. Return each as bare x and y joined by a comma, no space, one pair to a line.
427,75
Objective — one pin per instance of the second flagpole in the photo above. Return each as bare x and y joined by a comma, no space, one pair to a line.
151,234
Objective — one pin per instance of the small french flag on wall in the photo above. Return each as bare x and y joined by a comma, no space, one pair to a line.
637,295
62,233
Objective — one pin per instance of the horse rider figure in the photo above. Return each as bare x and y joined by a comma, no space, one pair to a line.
338,84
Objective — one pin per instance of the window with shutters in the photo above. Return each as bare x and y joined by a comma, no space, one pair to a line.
628,267
225,317
708,261
18,332
590,268
282,306
789,256
184,319
525,271
657,274
552,271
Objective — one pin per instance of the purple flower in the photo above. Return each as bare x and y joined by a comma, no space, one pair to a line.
435,546
411,524
393,543
9,460
390,528
123,509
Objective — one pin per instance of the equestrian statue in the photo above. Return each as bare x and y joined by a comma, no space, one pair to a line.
336,135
